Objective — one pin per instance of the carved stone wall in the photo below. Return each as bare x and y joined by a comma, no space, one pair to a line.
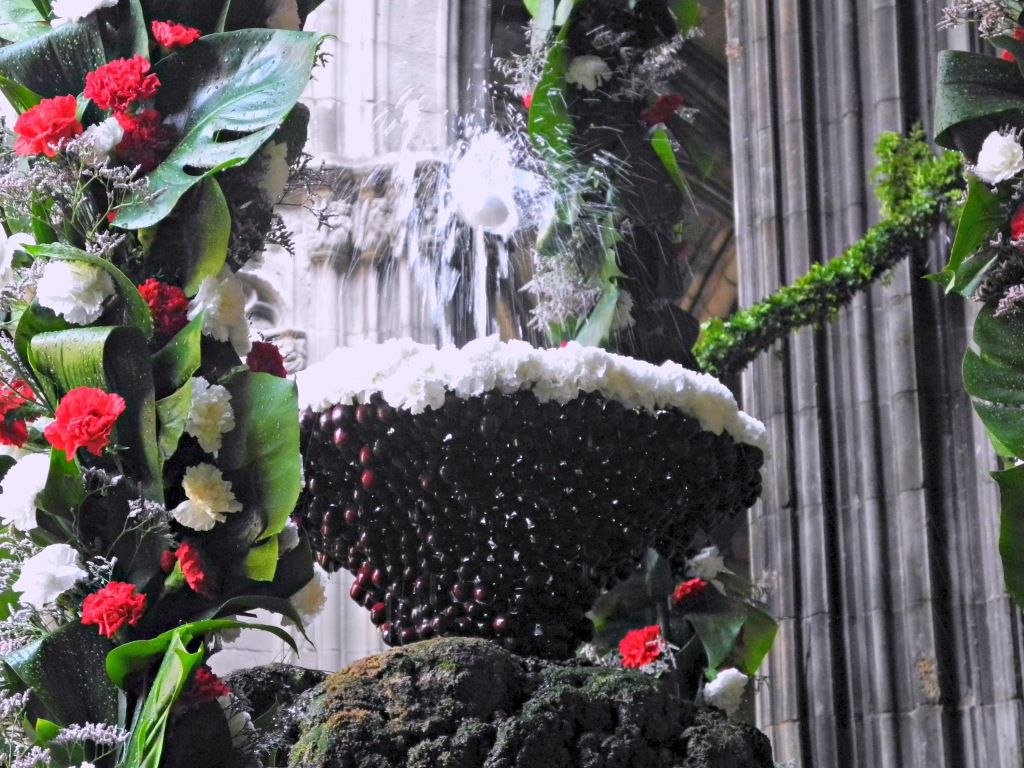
897,646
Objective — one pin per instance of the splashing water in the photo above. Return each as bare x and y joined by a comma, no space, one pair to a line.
453,215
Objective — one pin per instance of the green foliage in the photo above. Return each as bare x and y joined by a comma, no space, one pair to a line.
917,189
240,83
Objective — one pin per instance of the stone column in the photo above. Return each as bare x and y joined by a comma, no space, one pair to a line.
897,647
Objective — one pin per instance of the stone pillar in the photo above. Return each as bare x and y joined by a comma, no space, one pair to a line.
897,647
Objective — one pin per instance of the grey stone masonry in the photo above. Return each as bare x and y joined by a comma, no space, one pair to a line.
898,647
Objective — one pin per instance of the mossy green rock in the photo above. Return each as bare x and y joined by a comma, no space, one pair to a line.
465,703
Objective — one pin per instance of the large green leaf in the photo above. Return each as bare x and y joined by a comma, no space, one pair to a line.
20,20
261,454
108,358
225,94
755,639
61,497
192,243
20,97
65,670
662,146
179,358
718,633
145,747
1011,530
549,124
137,656
55,63
172,418
982,217
133,308
687,13
975,95
994,378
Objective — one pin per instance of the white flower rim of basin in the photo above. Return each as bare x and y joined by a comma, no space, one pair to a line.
416,376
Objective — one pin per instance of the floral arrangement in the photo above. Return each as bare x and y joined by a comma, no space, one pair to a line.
980,112
151,457
713,632
619,144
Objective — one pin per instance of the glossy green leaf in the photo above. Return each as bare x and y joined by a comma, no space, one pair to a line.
755,639
238,84
33,321
61,497
45,731
718,633
192,243
261,561
172,418
687,14
598,325
20,20
662,146
65,670
1011,530
133,308
982,217
564,10
975,95
108,358
549,124
20,97
145,746
55,63
179,358
261,454
137,656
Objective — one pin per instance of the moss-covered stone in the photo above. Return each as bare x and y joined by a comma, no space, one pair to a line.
465,703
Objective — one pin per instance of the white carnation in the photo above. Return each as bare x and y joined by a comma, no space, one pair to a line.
210,415
239,721
73,10
74,289
310,600
284,15
588,72
288,538
209,498
726,690
97,144
1001,158
223,301
707,564
48,574
20,486
11,246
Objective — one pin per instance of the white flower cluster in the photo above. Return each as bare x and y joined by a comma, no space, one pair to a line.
1001,157
726,690
48,574
74,289
223,302
210,415
20,486
588,72
209,498
417,376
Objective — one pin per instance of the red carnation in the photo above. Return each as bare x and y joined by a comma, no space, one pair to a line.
528,100
12,429
167,561
662,109
168,305
205,687
44,127
688,590
121,83
640,646
170,35
146,139
265,357
113,606
1017,224
192,569
83,419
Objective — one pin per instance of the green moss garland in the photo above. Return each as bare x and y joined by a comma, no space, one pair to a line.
917,191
